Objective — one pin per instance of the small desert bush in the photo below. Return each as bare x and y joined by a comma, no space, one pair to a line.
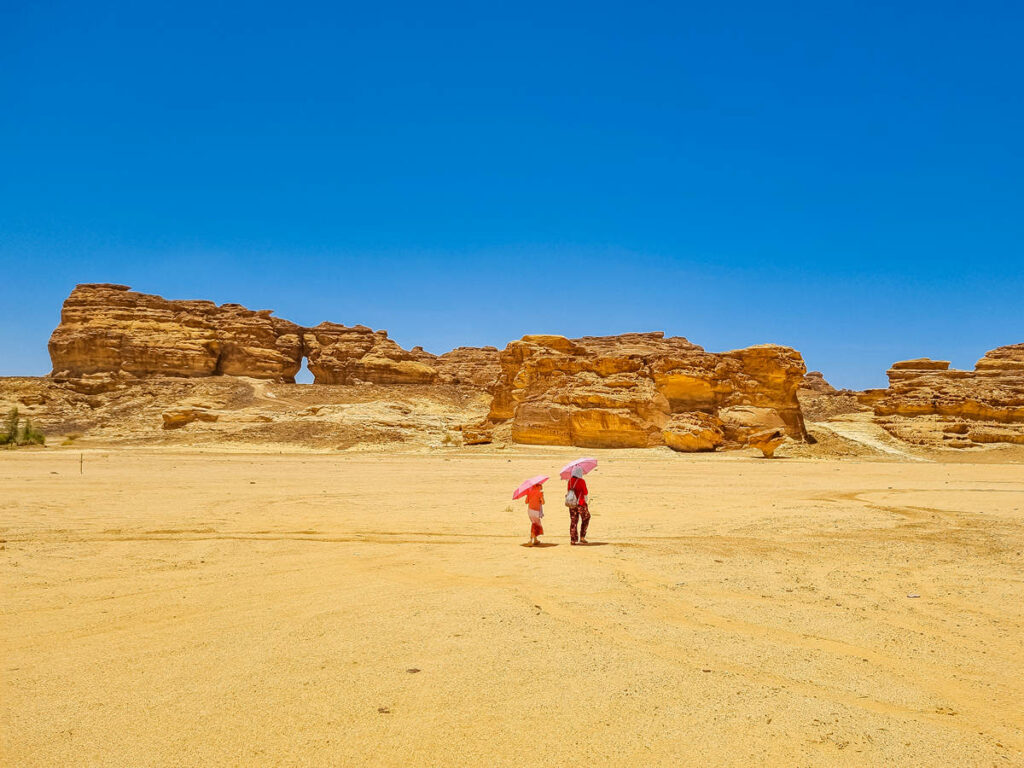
12,436
30,435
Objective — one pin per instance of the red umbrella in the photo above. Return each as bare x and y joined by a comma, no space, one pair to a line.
585,464
528,484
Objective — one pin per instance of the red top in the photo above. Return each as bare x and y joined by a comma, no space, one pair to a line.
534,498
579,485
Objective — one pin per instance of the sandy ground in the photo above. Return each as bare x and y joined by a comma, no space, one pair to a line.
189,609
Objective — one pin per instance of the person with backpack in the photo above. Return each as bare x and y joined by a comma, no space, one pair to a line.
579,511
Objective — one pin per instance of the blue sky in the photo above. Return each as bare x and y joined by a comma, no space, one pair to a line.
845,177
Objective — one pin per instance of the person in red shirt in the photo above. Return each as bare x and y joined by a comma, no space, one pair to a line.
581,512
535,509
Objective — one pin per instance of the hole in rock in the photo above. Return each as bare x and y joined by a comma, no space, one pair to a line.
304,376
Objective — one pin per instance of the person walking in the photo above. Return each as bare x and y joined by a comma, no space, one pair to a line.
535,509
579,513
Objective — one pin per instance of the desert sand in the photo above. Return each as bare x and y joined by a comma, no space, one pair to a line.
187,608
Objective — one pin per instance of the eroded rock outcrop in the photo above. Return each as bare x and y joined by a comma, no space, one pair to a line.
473,366
634,390
767,441
107,328
176,418
623,391
692,432
814,381
927,402
339,354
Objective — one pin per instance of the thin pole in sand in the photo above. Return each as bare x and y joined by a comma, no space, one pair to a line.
81,460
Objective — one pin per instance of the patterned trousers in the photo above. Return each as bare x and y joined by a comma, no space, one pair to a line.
580,515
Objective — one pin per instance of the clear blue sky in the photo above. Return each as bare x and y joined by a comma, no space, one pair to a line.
843,177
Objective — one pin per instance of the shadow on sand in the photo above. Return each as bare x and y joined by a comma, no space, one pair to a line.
542,545
594,544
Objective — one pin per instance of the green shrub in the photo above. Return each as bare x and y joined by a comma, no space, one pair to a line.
9,435
30,435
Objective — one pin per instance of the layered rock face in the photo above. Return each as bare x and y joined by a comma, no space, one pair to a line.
473,366
108,328
342,355
633,390
814,381
820,401
929,402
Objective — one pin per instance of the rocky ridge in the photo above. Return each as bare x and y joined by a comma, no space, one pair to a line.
128,365
110,329
641,390
929,403
106,328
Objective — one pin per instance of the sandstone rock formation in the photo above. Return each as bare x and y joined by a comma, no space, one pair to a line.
814,381
767,441
634,390
179,417
342,355
473,366
692,432
820,401
108,328
928,402
622,391
742,421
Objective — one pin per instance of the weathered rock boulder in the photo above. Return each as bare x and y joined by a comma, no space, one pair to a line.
928,402
739,422
694,431
176,418
107,328
767,441
621,391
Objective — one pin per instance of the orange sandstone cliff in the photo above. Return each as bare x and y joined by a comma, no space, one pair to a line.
641,390
110,329
927,402
632,390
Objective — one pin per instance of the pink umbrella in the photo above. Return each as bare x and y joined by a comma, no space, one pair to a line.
585,464
528,484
